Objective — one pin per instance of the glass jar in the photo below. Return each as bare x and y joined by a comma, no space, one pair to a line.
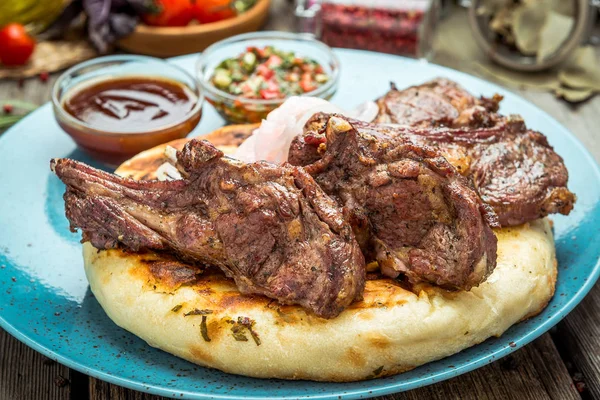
403,27
507,54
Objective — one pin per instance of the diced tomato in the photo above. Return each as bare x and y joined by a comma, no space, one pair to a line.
307,86
256,50
265,71
319,69
308,67
272,85
269,94
274,61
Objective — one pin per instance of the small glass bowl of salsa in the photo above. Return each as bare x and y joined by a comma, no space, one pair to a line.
247,76
117,106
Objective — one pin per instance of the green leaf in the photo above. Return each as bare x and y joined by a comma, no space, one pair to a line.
582,71
574,95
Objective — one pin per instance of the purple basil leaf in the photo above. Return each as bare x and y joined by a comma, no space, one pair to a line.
110,20
122,24
98,12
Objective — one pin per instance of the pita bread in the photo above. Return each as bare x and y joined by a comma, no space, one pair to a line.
200,316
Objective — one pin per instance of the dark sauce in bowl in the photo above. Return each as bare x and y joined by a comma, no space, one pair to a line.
131,104
117,117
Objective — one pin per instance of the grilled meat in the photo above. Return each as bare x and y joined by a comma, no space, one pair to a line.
410,210
512,168
269,228
439,102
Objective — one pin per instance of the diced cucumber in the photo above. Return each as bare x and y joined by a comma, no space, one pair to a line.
222,78
249,61
237,75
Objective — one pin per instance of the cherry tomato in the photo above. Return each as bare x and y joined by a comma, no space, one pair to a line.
306,83
206,11
170,13
16,46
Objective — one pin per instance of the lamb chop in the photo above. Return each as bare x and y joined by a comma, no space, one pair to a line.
270,228
439,102
512,168
410,210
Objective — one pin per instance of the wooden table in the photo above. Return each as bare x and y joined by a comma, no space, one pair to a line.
562,364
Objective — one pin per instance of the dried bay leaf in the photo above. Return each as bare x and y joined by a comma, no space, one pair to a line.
555,31
527,22
574,95
582,71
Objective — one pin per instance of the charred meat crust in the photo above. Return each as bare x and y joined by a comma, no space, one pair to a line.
513,169
410,210
439,102
269,228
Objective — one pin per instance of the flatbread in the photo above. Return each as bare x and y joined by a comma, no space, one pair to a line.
394,329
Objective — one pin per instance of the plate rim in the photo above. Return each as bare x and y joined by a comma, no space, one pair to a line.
363,392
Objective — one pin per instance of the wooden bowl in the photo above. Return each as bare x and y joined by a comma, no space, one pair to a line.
174,41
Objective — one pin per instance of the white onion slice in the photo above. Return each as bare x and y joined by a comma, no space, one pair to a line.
271,141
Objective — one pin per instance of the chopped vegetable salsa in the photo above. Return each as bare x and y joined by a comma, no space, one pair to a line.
267,73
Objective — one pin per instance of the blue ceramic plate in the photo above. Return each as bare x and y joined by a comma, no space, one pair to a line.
45,301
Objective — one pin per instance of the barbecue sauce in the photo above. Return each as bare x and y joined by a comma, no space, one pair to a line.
123,116
131,104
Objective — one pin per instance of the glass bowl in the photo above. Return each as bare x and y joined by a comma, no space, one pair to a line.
237,109
113,147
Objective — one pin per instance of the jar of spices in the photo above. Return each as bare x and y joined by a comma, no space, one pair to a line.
529,36
403,27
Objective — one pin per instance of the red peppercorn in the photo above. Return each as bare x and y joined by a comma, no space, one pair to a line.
8,108
44,76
